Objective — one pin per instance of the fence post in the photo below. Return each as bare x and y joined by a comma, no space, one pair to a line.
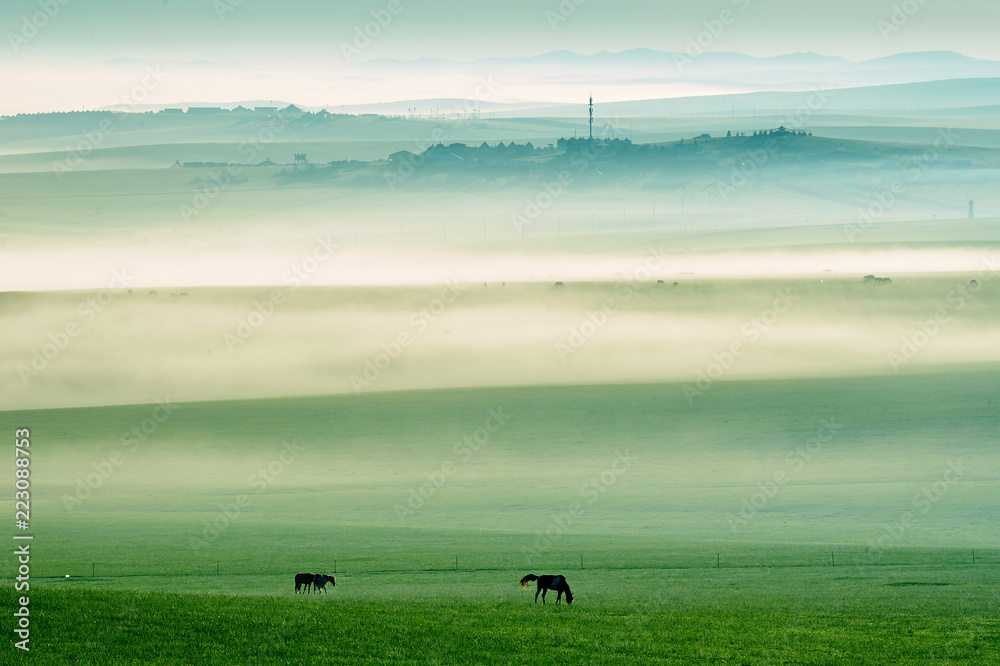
833,562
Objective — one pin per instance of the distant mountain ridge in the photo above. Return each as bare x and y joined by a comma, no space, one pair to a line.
553,82
979,96
643,57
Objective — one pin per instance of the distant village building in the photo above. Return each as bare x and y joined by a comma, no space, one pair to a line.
204,110
781,132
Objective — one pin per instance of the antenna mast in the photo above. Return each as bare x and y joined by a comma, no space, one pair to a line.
591,117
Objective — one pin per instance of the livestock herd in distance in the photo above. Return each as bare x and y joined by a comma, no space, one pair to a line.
304,582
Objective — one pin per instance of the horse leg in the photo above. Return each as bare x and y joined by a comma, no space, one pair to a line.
536,595
544,590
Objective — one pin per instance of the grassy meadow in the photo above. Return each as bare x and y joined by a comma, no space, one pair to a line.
667,576
770,462
767,616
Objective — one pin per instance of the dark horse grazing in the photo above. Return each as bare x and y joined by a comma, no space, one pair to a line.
303,579
320,580
546,583
314,580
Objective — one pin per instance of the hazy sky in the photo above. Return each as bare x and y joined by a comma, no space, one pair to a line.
465,30
42,55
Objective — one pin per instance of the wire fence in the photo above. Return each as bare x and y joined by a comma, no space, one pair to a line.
856,558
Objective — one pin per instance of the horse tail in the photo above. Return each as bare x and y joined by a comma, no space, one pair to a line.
527,579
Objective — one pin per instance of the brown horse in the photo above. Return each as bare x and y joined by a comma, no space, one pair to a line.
320,580
549,582
303,579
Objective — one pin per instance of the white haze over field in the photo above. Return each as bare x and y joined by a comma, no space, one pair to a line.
325,261
39,269
79,348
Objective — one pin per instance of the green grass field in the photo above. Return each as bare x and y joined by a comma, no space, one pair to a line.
143,548
906,615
